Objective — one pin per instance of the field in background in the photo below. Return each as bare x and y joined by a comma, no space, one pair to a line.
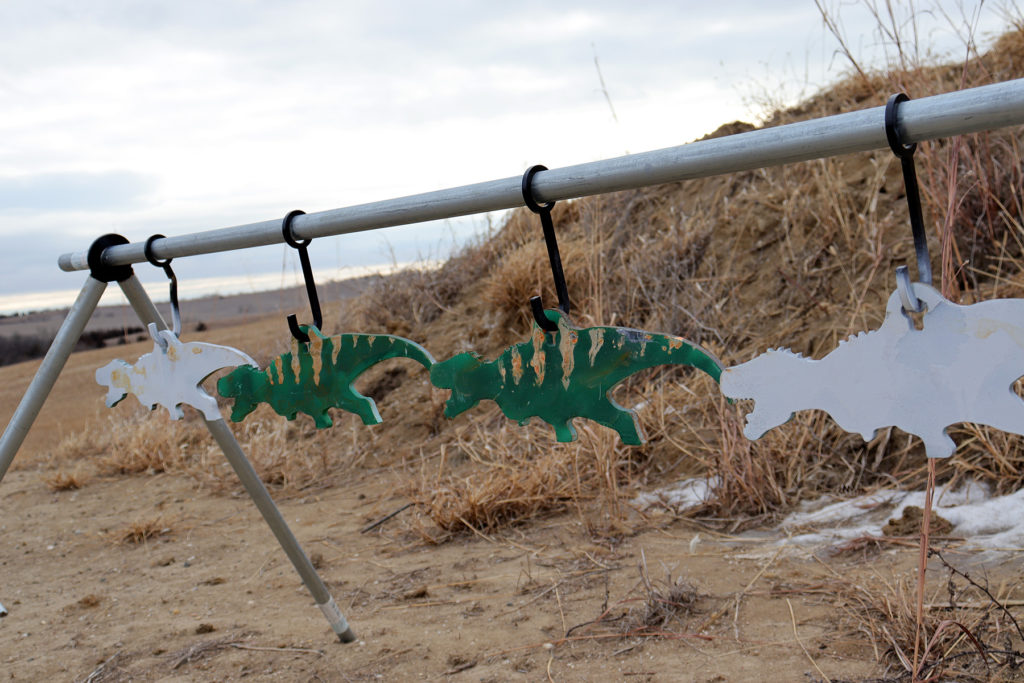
28,335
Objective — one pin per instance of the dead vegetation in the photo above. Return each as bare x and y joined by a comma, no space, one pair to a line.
968,630
64,481
800,255
492,476
666,602
140,530
292,456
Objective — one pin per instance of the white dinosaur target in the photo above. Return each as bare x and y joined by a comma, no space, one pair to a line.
959,368
170,375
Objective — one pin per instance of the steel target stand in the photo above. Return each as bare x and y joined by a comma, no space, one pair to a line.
147,313
967,111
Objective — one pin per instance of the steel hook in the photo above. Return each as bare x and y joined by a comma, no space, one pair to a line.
911,304
544,210
307,276
905,153
166,266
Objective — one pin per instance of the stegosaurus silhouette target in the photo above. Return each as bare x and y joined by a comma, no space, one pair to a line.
960,367
566,377
318,375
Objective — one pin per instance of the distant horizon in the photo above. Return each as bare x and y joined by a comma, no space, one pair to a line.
199,288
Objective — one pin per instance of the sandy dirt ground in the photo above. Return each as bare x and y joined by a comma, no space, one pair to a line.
214,597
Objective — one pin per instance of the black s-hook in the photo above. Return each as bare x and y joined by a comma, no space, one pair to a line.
166,266
553,256
307,275
905,153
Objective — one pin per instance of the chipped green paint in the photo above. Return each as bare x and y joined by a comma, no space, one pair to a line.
318,375
567,377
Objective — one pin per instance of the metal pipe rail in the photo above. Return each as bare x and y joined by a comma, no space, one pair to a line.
965,111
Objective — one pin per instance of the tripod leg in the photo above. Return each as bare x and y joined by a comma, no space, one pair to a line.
41,385
258,492
147,312
141,303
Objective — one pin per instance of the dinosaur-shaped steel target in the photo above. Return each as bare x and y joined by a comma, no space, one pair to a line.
170,375
318,375
960,367
567,376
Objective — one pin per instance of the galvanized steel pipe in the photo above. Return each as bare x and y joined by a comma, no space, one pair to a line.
222,434
965,111
49,370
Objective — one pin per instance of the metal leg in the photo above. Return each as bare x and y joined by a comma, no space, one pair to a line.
46,376
141,303
148,313
258,492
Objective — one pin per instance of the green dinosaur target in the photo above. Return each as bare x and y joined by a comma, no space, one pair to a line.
566,375
318,375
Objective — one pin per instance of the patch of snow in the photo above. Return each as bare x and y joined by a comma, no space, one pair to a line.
993,523
986,522
680,496
867,514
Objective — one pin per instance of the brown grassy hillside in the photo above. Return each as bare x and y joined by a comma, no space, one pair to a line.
798,256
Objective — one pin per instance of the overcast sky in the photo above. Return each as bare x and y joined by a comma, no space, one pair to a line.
137,117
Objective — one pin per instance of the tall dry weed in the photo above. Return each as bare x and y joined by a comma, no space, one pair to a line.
967,632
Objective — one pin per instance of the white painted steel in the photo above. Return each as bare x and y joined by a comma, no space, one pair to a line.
171,374
966,111
959,367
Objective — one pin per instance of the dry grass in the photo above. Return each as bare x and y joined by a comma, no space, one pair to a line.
487,480
650,609
800,255
202,649
288,456
666,602
966,633
65,481
140,530
151,444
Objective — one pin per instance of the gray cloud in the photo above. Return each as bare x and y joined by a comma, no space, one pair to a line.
406,62
74,191
232,111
